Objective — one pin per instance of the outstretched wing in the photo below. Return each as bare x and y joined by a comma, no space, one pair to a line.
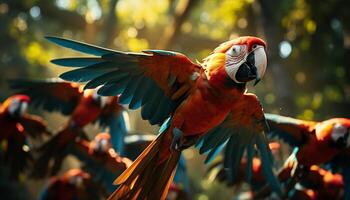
155,80
51,95
34,126
242,131
292,131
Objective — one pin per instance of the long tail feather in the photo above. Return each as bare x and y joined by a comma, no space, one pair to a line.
150,176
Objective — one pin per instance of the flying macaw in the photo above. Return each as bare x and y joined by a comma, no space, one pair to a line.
257,179
84,107
317,183
191,100
325,184
101,160
315,143
15,127
74,184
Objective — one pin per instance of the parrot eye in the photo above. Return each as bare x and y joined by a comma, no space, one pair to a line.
254,46
235,50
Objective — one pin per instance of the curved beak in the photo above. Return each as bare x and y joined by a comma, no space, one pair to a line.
254,67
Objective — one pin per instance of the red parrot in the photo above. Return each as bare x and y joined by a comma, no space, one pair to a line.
100,159
74,184
15,127
190,100
84,107
317,183
315,143
257,179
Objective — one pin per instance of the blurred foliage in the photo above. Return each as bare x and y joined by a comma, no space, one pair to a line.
308,46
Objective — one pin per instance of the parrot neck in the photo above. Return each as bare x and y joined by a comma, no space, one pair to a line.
221,80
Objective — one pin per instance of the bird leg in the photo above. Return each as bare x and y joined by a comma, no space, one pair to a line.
179,142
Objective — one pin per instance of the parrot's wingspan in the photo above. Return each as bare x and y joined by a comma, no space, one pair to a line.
243,130
51,95
289,129
34,126
155,80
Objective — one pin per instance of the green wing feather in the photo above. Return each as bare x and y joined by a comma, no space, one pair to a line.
242,134
127,75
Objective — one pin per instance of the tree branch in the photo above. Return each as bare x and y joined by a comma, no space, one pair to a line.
171,32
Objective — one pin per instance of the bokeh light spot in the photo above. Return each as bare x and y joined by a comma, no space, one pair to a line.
285,49
242,23
4,8
300,77
270,98
35,12
132,32
203,197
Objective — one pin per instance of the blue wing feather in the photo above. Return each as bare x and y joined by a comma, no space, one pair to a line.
80,46
117,72
239,141
76,62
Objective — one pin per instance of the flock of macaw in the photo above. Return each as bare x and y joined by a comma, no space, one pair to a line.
205,105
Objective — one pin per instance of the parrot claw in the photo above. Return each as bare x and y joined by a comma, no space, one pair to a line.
176,143
179,143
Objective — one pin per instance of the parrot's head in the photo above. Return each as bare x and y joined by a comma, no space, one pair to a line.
242,59
340,135
75,177
98,99
102,143
17,105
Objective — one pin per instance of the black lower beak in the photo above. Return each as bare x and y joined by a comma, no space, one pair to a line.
248,71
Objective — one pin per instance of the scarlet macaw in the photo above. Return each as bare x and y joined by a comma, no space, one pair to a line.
325,184
84,107
15,127
315,143
190,100
74,184
257,179
100,159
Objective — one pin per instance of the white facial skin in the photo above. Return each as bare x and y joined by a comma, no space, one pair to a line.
102,145
238,54
76,181
340,131
101,99
18,105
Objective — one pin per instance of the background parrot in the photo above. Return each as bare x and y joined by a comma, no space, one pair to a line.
15,127
100,159
191,99
315,143
74,184
257,179
84,107
325,184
